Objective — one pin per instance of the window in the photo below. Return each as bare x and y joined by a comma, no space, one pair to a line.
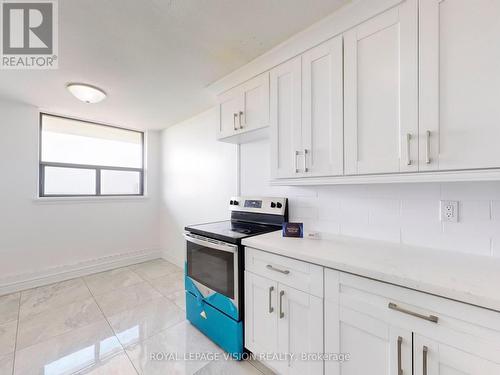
79,158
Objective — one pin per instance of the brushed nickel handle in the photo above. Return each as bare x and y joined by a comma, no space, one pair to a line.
430,318
305,160
271,308
285,272
408,149
428,147
282,314
425,350
234,121
400,343
239,118
296,164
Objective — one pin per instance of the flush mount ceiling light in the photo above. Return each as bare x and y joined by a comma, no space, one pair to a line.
86,93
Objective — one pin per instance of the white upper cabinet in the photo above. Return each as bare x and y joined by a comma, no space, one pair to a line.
286,118
381,93
244,109
307,114
459,84
322,110
229,108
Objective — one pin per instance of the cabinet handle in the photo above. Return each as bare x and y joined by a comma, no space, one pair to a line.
425,350
428,147
269,267
271,309
282,314
430,318
408,149
234,121
296,165
305,160
239,118
400,342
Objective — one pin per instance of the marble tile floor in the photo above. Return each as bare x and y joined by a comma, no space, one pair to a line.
125,321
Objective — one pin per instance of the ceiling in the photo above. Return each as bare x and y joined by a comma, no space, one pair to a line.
155,58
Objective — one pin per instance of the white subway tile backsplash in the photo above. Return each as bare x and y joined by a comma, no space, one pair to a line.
478,228
420,211
474,211
300,213
407,213
470,190
375,232
384,211
417,191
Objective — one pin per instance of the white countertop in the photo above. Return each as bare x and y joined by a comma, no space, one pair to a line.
468,278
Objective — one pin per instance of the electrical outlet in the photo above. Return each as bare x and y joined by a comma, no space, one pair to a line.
449,211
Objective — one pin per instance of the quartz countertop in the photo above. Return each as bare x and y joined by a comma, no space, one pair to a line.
467,278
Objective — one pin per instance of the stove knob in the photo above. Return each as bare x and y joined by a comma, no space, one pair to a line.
236,203
231,202
279,205
273,204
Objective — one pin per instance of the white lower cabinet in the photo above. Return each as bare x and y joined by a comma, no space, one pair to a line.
283,321
296,311
389,330
437,358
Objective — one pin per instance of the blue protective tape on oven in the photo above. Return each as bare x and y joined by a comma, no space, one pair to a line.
217,300
220,328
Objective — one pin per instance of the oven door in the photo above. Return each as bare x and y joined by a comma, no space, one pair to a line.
213,266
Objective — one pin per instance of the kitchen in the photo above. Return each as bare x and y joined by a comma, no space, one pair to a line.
365,128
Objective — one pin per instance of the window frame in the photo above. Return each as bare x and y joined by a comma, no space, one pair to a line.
97,168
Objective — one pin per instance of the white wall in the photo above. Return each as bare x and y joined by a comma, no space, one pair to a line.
406,213
199,174
35,237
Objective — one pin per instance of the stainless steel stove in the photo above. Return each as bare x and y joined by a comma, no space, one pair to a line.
215,265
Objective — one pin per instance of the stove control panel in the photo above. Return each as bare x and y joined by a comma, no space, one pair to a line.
265,205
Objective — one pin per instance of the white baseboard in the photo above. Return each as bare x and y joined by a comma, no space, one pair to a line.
17,283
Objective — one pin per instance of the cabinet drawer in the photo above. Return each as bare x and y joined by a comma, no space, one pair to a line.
299,275
472,329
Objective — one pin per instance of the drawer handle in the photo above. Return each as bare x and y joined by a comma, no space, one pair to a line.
400,342
271,309
285,272
408,149
425,350
305,160
282,314
428,147
430,318
239,117
234,121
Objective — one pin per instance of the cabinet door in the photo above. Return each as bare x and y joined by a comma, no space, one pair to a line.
254,113
459,84
300,331
381,93
322,113
433,358
230,105
374,346
261,324
286,118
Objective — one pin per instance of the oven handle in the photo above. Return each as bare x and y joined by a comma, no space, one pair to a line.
203,241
